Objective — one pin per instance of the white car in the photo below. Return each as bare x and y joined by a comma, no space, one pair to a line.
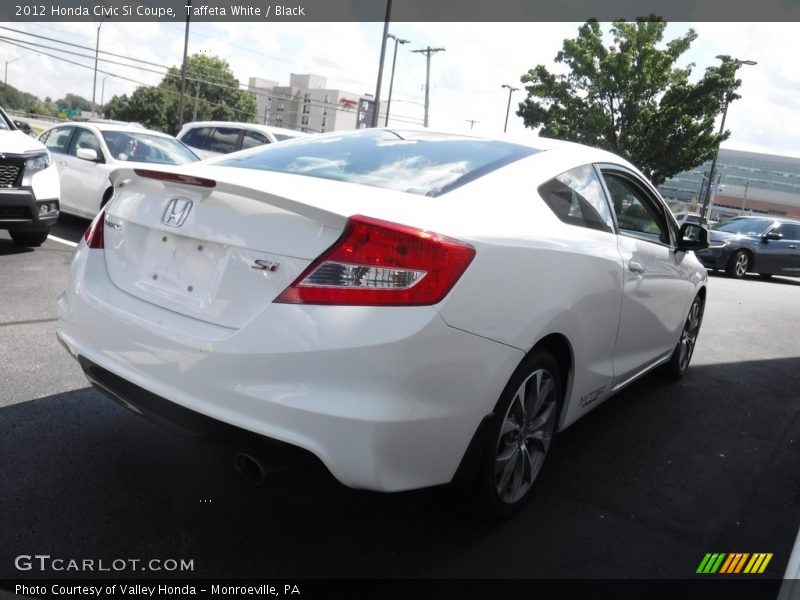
87,152
683,217
29,190
209,139
412,308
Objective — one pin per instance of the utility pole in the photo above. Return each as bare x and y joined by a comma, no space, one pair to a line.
427,52
196,98
744,200
183,65
471,123
94,81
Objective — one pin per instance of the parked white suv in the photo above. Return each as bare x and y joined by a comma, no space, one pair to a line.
29,186
212,138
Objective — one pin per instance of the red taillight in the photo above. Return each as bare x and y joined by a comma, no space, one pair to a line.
175,178
377,263
94,233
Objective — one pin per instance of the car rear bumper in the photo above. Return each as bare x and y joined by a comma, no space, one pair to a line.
21,210
387,398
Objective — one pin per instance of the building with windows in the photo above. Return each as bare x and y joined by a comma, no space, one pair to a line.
748,183
307,104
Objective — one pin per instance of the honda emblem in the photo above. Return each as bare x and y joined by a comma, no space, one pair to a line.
176,212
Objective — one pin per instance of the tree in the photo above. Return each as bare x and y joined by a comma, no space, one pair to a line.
212,93
74,102
146,105
631,99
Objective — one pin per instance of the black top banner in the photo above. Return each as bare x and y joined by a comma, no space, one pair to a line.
400,10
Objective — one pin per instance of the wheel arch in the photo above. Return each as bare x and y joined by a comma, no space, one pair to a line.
558,346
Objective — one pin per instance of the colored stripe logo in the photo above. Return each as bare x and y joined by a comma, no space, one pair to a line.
734,563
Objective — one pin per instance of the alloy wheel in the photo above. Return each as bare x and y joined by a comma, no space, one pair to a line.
742,263
689,335
525,436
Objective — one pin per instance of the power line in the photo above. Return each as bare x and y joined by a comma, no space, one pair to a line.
196,76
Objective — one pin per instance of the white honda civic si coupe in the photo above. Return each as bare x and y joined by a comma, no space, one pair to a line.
412,308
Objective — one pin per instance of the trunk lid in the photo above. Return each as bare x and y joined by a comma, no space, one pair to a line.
220,254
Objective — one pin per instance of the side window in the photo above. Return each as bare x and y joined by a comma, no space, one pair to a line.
196,137
84,138
58,140
577,198
638,214
252,139
788,230
44,136
222,139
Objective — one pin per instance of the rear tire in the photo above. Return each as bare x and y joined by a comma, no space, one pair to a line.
29,238
682,355
520,436
739,264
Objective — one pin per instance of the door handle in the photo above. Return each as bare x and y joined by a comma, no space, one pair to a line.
636,267
792,247
62,162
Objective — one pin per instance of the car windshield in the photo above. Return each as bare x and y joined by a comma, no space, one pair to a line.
4,124
744,226
417,162
282,137
148,148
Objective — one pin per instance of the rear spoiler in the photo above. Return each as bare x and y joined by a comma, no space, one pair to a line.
168,177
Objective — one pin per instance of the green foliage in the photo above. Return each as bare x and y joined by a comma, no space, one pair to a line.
75,102
630,98
14,99
212,93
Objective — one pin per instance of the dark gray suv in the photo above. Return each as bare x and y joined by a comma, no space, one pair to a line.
764,245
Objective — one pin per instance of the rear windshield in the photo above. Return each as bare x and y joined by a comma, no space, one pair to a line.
416,162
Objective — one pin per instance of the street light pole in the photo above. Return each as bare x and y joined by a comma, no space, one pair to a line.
376,110
707,195
103,93
5,80
397,40
94,81
427,52
511,90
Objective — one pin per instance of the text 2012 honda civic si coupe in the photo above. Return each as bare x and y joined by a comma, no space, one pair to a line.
407,306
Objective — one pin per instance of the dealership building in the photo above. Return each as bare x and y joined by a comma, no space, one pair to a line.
748,183
307,104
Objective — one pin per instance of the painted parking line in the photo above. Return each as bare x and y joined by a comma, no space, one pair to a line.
62,241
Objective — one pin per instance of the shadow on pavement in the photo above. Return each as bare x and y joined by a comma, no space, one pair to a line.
641,487
7,247
753,277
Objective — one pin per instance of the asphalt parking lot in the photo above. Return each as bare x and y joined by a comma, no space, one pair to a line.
643,487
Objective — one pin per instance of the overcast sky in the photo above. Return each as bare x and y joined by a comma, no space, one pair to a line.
465,79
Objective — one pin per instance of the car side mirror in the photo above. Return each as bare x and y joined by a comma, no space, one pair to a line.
692,237
87,154
772,235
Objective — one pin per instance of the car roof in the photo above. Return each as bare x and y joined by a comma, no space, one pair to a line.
256,126
100,126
